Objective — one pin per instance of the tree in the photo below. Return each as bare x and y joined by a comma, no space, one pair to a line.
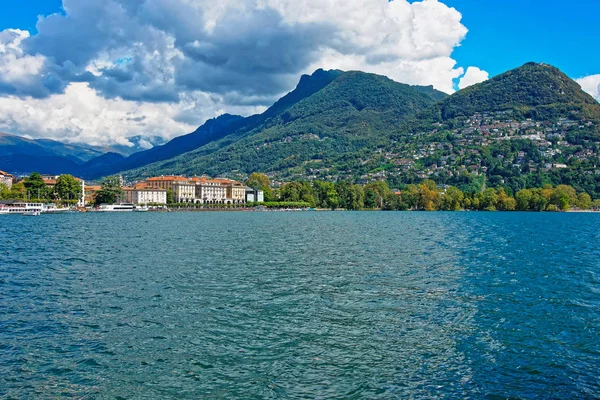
584,201
35,186
429,199
297,192
259,181
489,200
4,192
379,190
452,199
17,191
67,188
170,197
110,192
523,198
505,202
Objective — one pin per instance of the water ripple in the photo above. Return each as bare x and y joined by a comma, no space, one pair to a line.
300,305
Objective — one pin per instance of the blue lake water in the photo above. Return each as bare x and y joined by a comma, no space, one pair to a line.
300,305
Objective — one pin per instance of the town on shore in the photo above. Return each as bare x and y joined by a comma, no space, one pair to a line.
187,193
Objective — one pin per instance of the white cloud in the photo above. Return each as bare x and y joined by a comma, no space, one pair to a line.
591,84
174,63
19,72
472,76
81,115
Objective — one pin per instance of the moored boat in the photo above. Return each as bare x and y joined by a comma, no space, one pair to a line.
116,207
32,213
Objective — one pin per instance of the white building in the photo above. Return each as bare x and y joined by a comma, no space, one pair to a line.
210,191
147,196
184,192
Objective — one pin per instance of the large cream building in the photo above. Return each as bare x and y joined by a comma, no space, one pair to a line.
184,192
149,196
200,190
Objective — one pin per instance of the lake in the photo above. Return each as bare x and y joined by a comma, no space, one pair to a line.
327,305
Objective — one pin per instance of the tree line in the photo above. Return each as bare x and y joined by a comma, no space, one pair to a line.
67,190
426,196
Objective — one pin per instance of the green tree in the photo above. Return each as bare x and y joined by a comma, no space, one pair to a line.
584,201
17,191
523,198
321,193
68,188
489,200
110,192
259,181
170,197
4,192
452,199
35,186
380,189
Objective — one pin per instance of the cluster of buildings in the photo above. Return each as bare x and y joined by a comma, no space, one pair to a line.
194,190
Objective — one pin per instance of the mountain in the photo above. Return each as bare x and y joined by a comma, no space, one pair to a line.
525,128
25,164
139,143
16,145
22,155
329,114
535,90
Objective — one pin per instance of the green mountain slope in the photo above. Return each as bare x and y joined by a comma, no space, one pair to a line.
356,110
525,128
539,91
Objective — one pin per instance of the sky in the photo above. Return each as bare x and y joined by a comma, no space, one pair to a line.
102,71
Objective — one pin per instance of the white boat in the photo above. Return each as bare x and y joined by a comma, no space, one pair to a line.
140,209
20,208
116,207
32,213
51,208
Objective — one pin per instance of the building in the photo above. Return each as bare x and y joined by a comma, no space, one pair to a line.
89,194
149,196
127,196
201,190
254,195
210,191
164,182
6,179
235,192
184,192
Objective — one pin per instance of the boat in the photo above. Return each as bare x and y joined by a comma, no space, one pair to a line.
122,207
32,213
51,208
140,209
20,208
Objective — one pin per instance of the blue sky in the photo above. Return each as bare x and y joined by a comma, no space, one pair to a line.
507,33
502,34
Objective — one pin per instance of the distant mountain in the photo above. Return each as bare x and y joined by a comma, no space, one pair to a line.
140,143
16,145
330,113
25,164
